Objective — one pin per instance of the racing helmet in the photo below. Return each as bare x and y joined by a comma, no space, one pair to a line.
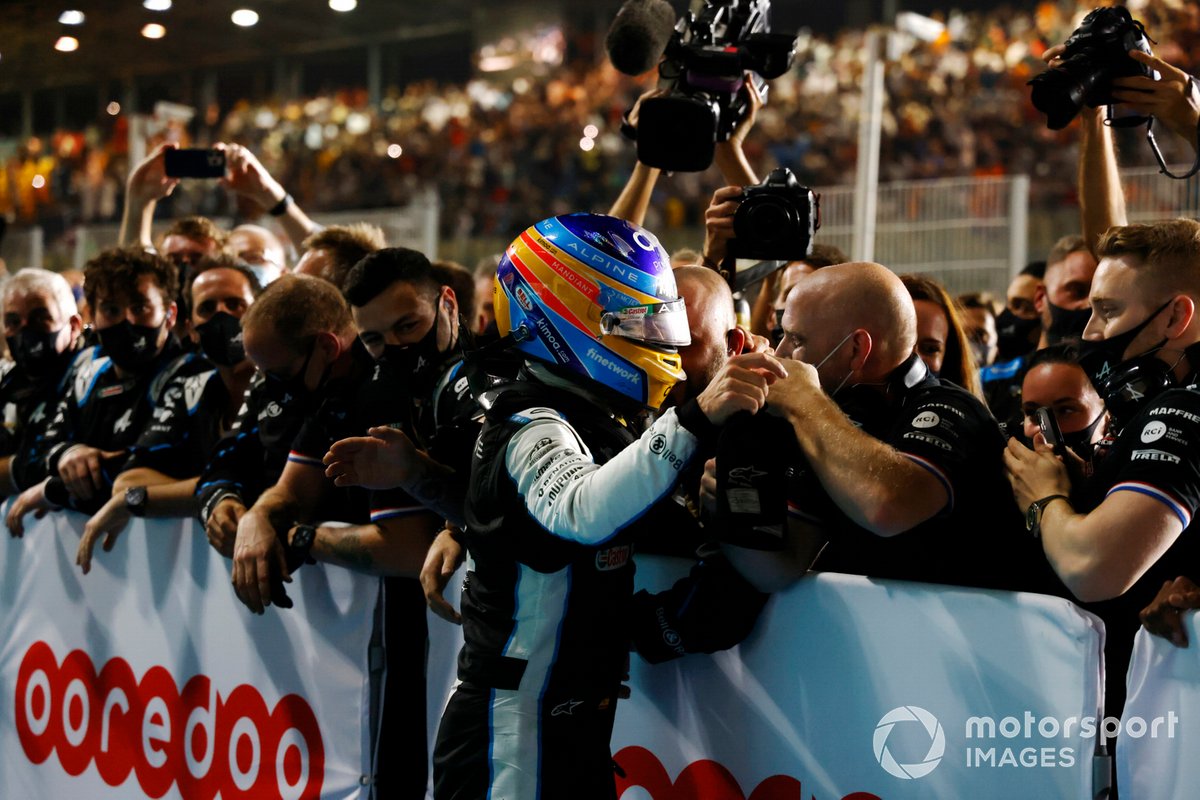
595,297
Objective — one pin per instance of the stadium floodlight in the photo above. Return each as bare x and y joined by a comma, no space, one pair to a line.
71,17
156,5
244,17
343,5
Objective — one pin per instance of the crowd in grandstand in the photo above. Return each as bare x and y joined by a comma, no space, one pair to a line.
587,391
498,152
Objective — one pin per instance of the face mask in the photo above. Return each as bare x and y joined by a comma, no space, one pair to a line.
420,359
980,351
221,339
1100,358
837,347
287,391
1014,335
131,347
34,351
1081,441
265,273
1066,323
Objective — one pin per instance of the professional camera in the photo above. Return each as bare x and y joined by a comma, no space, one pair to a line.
776,220
1096,53
707,56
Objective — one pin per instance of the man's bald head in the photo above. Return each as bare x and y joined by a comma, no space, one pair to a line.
858,316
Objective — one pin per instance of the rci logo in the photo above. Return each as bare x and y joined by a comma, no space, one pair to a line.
1153,431
926,419
937,742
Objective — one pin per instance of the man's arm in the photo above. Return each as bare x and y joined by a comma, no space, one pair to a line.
165,496
1101,199
147,184
250,179
635,197
1102,554
294,497
395,546
877,486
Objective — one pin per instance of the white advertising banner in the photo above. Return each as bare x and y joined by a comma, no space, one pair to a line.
1156,759
147,678
857,689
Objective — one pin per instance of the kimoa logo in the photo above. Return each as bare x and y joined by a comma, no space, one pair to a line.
937,742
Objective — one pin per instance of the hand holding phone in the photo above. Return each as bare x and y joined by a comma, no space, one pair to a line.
193,162
1049,427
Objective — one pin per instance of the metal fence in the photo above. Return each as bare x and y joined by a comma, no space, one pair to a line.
1150,195
969,233
415,226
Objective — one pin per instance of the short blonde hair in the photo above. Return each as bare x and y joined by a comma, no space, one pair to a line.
346,245
1168,252
295,308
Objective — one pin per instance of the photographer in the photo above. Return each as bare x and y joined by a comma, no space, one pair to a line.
899,472
1123,533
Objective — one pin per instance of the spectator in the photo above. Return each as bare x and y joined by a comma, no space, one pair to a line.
1054,380
978,314
941,342
1018,327
331,252
115,387
897,462
159,478
1124,533
260,250
44,334
485,311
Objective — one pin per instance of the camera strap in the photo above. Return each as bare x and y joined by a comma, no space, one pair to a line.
1162,164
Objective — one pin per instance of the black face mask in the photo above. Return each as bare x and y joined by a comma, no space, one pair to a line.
419,360
1081,441
1014,335
221,339
1100,359
34,351
288,391
1066,324
131,347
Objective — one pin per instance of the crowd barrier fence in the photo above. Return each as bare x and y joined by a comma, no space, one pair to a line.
147,677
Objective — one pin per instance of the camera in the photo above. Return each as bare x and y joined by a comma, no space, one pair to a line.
776,220
705,65
1095,54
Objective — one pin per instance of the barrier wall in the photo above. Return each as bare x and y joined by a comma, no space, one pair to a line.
852,688
147,678
1164,683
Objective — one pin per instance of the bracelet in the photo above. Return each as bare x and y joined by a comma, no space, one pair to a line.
280,208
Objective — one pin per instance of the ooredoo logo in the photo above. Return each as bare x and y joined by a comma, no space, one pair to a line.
192,737
937,742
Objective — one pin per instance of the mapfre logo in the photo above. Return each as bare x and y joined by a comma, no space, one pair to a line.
205,743
643,777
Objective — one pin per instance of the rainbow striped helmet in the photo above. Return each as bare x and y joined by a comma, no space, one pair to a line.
596,297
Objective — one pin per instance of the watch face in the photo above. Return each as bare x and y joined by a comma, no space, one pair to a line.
1031,517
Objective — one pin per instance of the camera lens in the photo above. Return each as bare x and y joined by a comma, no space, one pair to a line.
1061,92
769,221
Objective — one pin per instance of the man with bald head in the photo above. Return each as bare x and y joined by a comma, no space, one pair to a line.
714,330
897,466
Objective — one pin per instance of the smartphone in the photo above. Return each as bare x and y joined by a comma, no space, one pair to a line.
194,163
1049,427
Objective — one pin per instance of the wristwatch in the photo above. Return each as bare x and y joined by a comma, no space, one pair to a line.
135,500
297,550
1033,515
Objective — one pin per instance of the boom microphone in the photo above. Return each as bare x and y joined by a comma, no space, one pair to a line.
639,35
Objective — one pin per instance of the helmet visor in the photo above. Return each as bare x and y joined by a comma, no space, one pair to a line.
664,324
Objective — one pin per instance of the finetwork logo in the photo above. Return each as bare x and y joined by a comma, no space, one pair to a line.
937,742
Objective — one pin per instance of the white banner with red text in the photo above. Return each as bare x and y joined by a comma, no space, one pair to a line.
855,689
1159,762
147,677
